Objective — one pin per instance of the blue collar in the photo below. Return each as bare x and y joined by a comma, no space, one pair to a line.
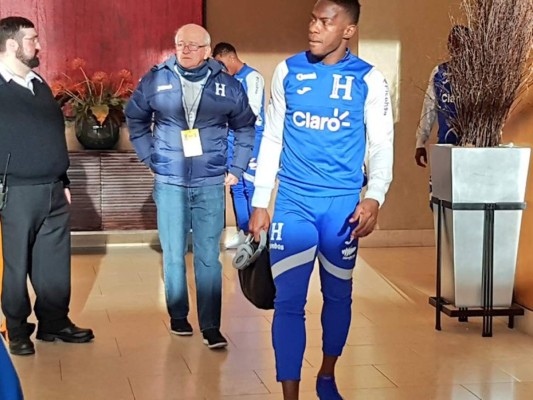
193,74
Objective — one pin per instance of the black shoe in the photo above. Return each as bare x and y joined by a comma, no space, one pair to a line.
180,327
214,339
70,334
21,346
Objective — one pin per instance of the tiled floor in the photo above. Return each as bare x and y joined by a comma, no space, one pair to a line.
393,350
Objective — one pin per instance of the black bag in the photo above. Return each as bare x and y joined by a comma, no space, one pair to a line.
257,283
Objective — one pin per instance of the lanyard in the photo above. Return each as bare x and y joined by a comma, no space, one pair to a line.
189,111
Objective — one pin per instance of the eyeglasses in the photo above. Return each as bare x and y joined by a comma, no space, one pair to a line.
191,46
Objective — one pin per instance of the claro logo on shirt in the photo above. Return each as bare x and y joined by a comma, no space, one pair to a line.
316,122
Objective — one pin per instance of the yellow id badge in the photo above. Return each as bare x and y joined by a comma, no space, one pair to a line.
192,146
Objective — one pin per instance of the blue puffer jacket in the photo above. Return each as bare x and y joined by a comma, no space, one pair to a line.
159,94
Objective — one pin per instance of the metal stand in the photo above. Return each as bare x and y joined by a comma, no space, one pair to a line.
487,311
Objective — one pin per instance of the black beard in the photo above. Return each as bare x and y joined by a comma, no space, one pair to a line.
31,62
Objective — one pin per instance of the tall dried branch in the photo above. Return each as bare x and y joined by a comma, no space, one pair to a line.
492,67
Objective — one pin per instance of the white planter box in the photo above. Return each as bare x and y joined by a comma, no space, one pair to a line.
478,175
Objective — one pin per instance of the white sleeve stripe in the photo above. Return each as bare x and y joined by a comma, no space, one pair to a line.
429,112
379,125
271,144
256,91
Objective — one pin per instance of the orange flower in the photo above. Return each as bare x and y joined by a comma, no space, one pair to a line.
96,96
58,87
100,77
77,63
125,74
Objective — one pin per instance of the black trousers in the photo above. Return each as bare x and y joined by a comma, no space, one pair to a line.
36,244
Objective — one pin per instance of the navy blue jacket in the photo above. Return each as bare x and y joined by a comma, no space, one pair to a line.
446,105
158,101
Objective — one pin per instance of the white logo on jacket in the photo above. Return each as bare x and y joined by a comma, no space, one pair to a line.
275,231
349,253
337,86
306,77
220,89
304,90
319,123
160,88
275,235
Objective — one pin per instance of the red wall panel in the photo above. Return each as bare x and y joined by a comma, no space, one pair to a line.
108,34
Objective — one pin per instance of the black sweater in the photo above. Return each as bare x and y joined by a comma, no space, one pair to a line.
32,129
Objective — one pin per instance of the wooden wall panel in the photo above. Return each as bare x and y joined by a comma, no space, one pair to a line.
110,35
126,193
111,190
86,188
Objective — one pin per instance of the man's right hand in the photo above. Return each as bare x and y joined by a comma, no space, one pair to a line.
421,157
259,221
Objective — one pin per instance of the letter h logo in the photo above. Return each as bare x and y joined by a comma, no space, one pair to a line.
337,85
220,89
275,231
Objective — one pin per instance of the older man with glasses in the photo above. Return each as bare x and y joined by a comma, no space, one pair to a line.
178,119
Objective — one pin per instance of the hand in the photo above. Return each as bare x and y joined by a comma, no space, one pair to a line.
68,195
259,221
231,180
367,215
421,157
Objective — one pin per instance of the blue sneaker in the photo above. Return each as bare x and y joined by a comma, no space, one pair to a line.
326,389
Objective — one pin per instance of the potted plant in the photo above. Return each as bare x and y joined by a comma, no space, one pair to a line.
95,102
487,75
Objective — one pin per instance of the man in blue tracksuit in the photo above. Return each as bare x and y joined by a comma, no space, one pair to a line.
254,86
178,119
439,103
9,382
327,108
439,106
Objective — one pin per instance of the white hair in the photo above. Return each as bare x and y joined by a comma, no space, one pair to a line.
207,37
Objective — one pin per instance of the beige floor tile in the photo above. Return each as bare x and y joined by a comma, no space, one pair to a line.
41,388
93,369
116,387
91,318
40,367
520,368
393,351
246,324
353,377
251,340
502,391
414,393
193,386
203,359
272,396
100,348
366,355
419,393
130,345
165,387
450,373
